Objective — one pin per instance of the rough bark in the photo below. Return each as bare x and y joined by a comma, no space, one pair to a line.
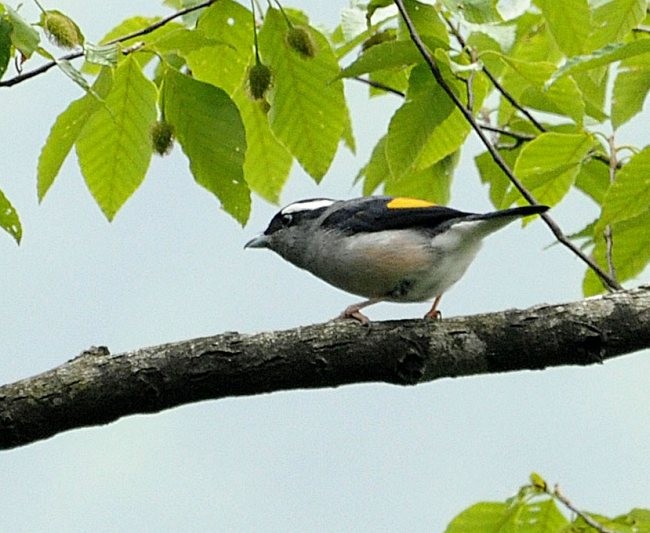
97,387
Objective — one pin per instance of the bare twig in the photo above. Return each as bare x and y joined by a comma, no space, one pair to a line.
378,85
498,159
10,82
555,493
608,233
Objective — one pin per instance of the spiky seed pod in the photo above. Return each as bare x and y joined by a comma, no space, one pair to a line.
299,38
162,137
259,80
378,38
61,29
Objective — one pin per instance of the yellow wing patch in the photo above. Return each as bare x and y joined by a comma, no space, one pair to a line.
406,203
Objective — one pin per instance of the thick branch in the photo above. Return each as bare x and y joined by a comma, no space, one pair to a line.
98,388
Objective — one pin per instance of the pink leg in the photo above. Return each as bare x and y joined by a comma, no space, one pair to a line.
354,311
433,312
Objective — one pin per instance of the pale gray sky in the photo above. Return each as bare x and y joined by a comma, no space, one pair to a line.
371,457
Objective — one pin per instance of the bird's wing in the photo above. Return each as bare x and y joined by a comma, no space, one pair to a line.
380,213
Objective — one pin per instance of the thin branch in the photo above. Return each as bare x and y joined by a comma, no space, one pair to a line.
379,85
608,233
498,159
493,79
97,387
518,135
555,493
10,82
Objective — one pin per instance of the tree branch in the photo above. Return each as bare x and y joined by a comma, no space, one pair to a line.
608,282
97,388
75,55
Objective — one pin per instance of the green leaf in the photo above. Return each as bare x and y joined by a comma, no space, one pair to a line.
613,20
569,23
483,516
602,57
267,162
629,195
491,174
631,87
548,165
102,54
209,128
593,86
9,220
66,130
477,11
630,252
5,44
540,517
534,89
184,41
24,37
593,179
230,23
308,109
388,55
426,128
426,20
376,170
432,183
114,148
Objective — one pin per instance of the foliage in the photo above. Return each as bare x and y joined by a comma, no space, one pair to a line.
244,94
536,509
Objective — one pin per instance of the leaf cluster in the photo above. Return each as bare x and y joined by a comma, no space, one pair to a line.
246,93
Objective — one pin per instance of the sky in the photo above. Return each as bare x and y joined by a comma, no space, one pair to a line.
374,457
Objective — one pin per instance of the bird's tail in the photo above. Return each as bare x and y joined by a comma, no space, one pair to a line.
490,222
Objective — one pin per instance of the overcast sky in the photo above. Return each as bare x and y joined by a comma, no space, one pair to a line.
368,457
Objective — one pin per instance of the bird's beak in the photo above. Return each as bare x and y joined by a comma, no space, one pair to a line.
260,241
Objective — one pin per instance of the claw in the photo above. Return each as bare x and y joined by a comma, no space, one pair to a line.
433,313
354,313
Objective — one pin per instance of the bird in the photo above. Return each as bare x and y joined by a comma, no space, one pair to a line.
383,248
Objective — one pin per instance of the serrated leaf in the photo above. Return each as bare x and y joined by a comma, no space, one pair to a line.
593,86
209,128
23,36
563,96
432,183
376,170
613,20
223,66
483,516
593,179
476,11
629,195
548,165
602,57
426,20
308,109
114,148
491,174
9,220
66,130
630,252
184,41
631,87
267,162
569,23
388,55
5,44
540,517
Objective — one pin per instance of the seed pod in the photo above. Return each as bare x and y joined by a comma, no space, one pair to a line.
259,80
61,29
299,38
162,137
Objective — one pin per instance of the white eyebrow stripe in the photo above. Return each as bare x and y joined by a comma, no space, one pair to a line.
306,206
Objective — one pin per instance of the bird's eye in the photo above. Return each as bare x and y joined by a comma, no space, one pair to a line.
287,219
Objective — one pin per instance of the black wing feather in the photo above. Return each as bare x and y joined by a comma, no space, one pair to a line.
372,214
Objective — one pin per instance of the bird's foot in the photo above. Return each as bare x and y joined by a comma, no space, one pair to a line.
354,313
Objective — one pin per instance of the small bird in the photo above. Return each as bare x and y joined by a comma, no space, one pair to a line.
383,248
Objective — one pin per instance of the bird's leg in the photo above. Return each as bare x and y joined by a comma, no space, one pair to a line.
433,313
354,310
